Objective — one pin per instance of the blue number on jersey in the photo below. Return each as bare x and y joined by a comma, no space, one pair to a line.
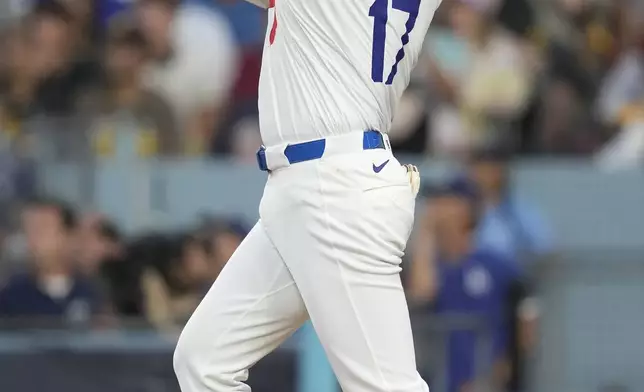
378,11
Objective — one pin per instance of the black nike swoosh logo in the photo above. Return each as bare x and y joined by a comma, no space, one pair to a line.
378,169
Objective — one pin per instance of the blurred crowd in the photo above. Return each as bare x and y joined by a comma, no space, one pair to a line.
114,78
85,80
63,269
542,77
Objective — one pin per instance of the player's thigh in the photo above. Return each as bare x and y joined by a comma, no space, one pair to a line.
363,323
251,308
346,264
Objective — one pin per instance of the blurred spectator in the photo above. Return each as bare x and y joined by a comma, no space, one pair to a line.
225,236
246,140
578,42
56,54
466,280
248,23
517,16
52,290
97,241
173,287
484,79
104,257
128,120
509,225
18,88
194,60
582,32
47,68
86,30
621,97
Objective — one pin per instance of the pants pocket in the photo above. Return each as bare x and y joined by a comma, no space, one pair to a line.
392,212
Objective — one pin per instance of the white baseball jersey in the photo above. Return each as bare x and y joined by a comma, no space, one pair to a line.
331,67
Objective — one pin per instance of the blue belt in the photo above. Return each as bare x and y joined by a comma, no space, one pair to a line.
308,151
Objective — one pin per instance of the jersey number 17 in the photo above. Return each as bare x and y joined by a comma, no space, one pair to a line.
379,11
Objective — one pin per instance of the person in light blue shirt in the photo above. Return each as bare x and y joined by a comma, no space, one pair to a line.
509,225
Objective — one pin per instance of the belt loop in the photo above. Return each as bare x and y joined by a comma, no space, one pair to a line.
385,139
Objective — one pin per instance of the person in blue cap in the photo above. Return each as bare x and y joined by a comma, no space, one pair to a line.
462,280
509,224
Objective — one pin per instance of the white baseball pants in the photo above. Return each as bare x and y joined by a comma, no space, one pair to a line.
328,246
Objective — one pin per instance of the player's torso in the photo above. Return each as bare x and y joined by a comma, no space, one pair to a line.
336,66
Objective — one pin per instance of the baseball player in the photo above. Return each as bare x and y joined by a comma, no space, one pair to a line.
337,208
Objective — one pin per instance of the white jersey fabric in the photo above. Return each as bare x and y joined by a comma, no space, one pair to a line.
335,66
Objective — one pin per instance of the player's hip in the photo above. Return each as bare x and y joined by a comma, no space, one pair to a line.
360,202
336,169
337,166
